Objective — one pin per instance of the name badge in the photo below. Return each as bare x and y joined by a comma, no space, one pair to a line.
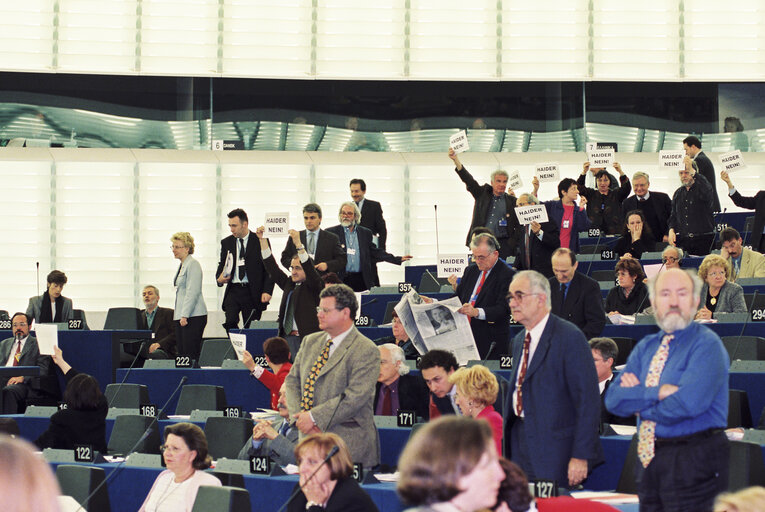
503,222
240,262
565,224
351,252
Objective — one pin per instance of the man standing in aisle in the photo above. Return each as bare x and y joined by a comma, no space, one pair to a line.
691,225
371,217
322,246
692,147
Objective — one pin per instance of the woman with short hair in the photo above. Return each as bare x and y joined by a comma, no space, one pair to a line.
190,314
630,296
719,295
477,390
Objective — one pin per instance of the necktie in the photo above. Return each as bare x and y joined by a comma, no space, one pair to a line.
311,243
306,402
477,291
528,249
735,269
387,408
289,313
17,355
284,428
647,432
241,258
433,411
563,287
522,373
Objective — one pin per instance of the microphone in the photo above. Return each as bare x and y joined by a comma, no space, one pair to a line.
140,440
119,387
743,328
435,280
38,277
249,317
714,229
331,454
342,397
438,248
597,244
371,301
491,349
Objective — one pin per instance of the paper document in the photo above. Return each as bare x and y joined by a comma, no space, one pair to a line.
239,341
229,265
47,338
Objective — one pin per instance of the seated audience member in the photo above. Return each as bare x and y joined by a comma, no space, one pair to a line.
51,306
185,455
477,390
604,206
656,206
742,262
536,242
331,278
720,296
751,499
276,440
571,294
436,366
672,257
756,203
400,338
160,321
277,355
630,295
22,350
571,218
395,389
636,237
450,464
331,488
84,419
26,480
604,352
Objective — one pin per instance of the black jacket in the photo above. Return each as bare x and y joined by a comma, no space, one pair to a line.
412,395
583,306
605,212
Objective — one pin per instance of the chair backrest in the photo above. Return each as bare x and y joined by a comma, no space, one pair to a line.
746,466
127,319
739,413
126,432
215,351
429,283
226,436
388,317
126,396
79,314
625,346
79,482
627,483
200,396
603,275
221,499
745,348
4,315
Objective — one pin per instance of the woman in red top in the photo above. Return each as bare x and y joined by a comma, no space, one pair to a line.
477,390
277,355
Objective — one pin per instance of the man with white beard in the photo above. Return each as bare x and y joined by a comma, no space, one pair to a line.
676,381
362,254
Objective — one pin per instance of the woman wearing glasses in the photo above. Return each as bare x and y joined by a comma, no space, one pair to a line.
185,454
190,315
720,296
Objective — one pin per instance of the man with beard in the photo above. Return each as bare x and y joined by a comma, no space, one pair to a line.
691,224
677,382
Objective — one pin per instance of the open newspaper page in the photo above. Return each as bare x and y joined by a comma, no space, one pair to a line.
404,311
443,328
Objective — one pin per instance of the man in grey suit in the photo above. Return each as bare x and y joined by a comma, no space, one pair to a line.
51,306
331,386
275,440
22,350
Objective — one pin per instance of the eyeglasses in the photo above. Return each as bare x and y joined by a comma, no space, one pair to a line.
170,449
326,311
519,296
177,246
21,324
718,273
668,259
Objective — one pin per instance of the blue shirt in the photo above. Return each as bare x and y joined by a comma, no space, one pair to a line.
697,363
150,317
353,263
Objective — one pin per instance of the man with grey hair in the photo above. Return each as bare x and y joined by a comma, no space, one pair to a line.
676,381
604,353
537,242
656,206
482,294
160,321
361,252
672,257
322,247
493,207
553,403
691,223
396,390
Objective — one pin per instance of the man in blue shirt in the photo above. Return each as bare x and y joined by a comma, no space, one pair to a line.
677,382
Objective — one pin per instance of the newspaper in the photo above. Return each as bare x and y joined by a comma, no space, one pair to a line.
437,325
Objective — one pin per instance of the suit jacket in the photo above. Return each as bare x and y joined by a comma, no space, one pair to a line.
662,206
581,221
328,251
281,449
35,307
44,385
752,265
412,395
369,255
582,307
188,290
756,203
729,300
496,327
344,388
372,219
347,496
258,279
163,329
540,250
708,170
608,417
561,401
306,296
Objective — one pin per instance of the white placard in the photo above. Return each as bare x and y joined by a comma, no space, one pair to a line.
514,180
547,173
600,158
47,338
239,341
277,224
449,264
671,159
531,213
459,142
732,161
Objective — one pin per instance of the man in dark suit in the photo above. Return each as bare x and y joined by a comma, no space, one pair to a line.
395,389
604,353
22,350
301,289
656,206
323,247
361,253
276,439
482,292
553,403
371,216
436,367
160,321
536,242
692,147
249,287
575,296
756,203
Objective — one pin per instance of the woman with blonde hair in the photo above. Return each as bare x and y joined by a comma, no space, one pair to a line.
477,390
751,499
190,314
719,295
26,480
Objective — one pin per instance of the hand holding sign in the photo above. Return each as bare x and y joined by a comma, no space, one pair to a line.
459,142
671,160
531,213
514,180
601,158
732,161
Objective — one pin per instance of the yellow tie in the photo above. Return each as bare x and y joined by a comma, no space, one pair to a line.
306,402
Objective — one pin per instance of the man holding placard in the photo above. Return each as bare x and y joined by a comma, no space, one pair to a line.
756,203
692,147
691,225
538,240
493,207
249,287
604,206
656,206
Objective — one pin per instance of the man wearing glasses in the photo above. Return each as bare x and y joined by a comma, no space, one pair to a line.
553,401
671,257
